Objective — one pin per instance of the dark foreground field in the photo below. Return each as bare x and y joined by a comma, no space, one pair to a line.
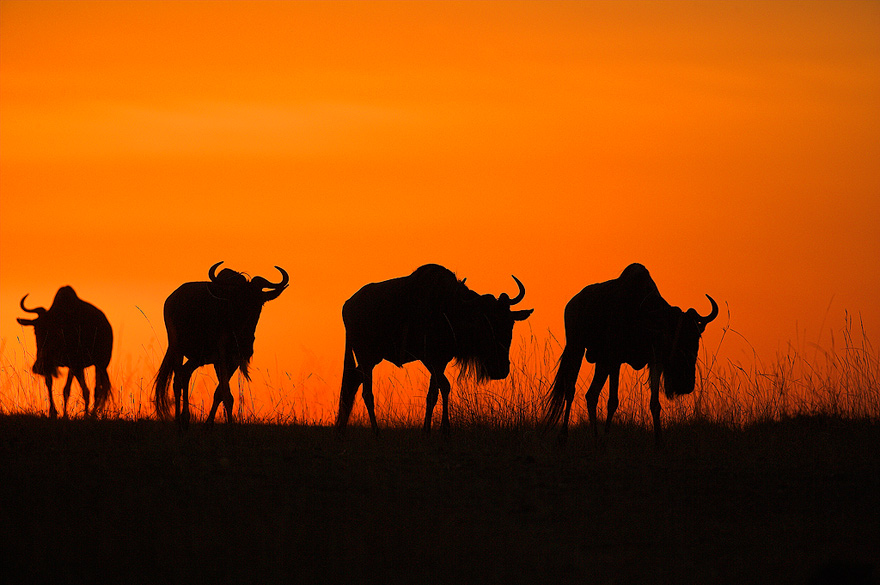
134,502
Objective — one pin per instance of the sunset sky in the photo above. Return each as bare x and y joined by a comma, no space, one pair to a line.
733,148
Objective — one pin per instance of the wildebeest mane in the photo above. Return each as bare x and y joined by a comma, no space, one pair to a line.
225,281
437,289
64,298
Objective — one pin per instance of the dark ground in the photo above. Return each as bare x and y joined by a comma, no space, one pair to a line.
135,502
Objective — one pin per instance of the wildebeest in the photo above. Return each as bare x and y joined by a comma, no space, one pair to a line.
72,334
626,321
211,323
432,317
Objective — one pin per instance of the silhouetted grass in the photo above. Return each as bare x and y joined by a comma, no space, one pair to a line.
842,380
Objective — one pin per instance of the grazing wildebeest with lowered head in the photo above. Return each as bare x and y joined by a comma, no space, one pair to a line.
72,334
211,323
626,321
432,317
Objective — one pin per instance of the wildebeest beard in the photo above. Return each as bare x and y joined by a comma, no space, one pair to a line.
244,353
678,379
679,364
472,366
42,368
476,358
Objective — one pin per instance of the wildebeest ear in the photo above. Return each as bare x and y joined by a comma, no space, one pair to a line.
521,315
26,321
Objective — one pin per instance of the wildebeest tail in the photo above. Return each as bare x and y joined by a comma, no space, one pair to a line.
163,380
562,389
351,381
554,403
103,389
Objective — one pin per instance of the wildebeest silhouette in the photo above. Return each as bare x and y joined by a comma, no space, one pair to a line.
626,321
211,323
432,317
72,334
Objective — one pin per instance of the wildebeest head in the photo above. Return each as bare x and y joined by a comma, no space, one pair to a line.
42,327
244,300
678,351
39,311
228,276
258,288
483,327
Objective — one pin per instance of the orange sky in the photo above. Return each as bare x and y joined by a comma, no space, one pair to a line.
732,148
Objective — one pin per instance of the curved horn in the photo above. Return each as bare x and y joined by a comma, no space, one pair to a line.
264,283
38,310
284,279
212,271
712,314
522,292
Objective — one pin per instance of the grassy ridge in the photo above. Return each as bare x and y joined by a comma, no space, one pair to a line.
771,473
775,501
839,380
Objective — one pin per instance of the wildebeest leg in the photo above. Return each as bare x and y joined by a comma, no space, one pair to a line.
66,392
599,377
367,393
228,398
52,412
81,379
182,374
222,393
178,373
219,394
352,378
654,376
444,392
229,401
431,401
613,381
